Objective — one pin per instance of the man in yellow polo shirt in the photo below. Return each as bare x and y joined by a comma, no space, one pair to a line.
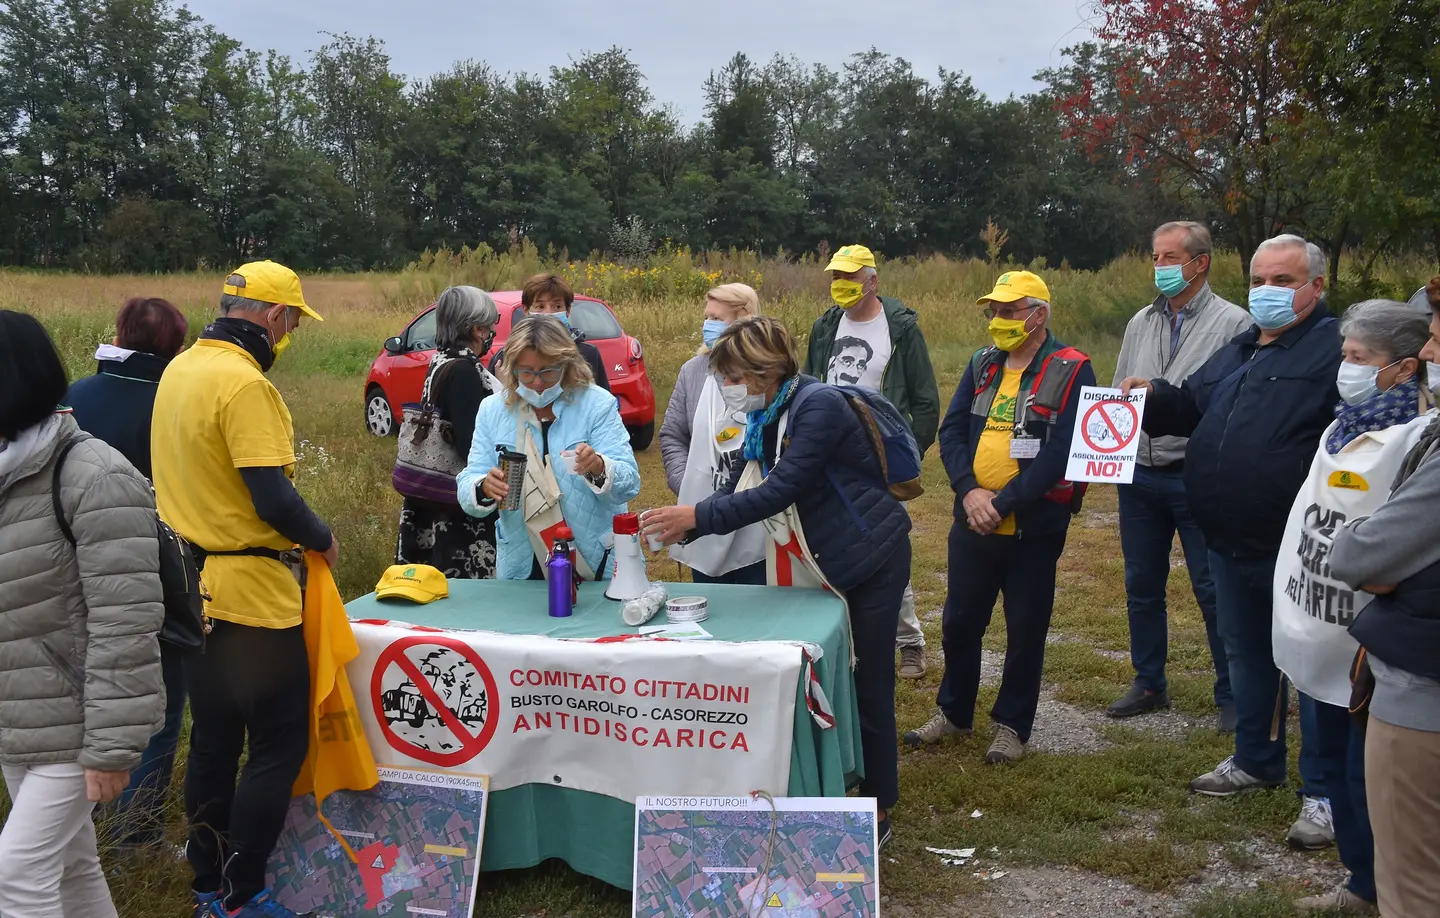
223,452
1005,442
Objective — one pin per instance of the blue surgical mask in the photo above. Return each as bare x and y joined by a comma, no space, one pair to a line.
540,399
1170,279
1272,307
564,318
712,329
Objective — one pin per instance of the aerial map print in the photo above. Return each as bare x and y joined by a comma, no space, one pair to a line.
417,838
738,857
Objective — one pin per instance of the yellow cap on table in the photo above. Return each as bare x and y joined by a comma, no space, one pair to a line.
1016,285
416,582
269,282
851,258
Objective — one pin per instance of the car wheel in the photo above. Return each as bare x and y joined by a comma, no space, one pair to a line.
379,419
641,437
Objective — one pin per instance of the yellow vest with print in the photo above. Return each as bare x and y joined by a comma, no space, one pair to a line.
216,413
994,468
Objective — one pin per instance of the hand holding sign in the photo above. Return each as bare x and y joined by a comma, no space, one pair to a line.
1107,434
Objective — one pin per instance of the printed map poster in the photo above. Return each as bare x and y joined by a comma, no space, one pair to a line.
741,857
417,835
1107,436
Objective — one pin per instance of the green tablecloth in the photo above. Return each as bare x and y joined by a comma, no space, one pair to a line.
594,833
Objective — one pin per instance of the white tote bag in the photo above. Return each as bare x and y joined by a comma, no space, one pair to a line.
716,438
1313,610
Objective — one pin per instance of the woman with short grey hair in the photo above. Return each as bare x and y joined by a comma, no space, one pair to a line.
442,535
1383,410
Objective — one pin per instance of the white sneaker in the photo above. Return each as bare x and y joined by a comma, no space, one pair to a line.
1227,779
1315,829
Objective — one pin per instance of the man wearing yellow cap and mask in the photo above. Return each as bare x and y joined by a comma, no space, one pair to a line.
1005,442
223,451
874,341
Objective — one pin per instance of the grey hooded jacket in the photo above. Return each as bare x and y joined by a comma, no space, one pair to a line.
1209,324
79,653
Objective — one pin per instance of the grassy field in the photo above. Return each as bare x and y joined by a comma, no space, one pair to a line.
1118,809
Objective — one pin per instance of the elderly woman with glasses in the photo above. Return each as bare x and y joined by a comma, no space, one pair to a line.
443,535
579,469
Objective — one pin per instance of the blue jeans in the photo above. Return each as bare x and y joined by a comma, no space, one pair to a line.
1316,763
142,804
1152,510
1340,751
1243,606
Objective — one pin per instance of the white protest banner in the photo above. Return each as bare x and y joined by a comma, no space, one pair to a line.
1107,436
622,718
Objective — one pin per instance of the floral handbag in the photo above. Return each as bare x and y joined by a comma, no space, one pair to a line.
427,461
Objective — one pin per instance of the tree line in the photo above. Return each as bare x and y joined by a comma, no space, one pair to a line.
135,137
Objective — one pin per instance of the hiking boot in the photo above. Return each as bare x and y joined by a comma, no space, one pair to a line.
1228,721
934,730
1005,748
203,902
262,906
912,661
1315,829
1139,700
1338,901
1226,780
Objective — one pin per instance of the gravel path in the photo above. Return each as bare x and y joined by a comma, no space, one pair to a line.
1065,892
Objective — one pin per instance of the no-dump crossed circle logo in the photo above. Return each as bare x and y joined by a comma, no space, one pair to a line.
435,699
1108,427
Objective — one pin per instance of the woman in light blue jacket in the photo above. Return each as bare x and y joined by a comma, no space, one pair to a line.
553,413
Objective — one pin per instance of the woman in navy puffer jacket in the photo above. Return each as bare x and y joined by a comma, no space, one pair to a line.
859,536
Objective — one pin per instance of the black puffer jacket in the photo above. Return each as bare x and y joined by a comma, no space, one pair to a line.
828,469
1251,437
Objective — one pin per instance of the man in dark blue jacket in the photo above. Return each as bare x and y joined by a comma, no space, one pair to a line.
1005,443
1254,414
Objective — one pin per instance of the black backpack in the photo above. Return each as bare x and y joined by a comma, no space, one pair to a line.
184,625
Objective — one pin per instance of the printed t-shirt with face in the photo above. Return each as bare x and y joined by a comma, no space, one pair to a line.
994,467
216,413
861,351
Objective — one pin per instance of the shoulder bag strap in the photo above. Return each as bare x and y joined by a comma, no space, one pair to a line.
55,490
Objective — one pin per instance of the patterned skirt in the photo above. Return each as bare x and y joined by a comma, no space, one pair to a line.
448,539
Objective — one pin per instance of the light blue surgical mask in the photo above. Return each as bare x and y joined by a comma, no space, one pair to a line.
711,331
540,399
1272,307
1170,279
564,318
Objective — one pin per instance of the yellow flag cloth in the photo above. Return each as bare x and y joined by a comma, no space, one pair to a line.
339,757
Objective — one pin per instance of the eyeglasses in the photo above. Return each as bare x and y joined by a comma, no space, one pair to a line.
546,374
991,313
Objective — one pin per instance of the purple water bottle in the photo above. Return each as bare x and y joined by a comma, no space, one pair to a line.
558,572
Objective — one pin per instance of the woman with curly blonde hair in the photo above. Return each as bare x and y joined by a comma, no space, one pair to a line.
700,443
555,415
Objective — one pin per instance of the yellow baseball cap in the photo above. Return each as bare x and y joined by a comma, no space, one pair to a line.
851,258
269,282
416,582
1016,285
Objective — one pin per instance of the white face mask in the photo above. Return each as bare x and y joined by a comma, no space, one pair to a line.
1432,375
1357,382
738,398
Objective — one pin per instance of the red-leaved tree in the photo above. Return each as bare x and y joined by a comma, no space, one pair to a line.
1200,97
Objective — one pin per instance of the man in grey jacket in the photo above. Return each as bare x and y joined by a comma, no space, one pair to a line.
1170,339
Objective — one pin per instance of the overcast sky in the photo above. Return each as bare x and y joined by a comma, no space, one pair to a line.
998,43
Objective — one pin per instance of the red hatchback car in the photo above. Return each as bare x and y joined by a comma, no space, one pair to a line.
398,374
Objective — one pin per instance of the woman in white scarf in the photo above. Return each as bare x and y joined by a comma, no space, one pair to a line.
700,442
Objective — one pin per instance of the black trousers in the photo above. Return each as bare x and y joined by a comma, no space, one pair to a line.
874,614
250,684
981,569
